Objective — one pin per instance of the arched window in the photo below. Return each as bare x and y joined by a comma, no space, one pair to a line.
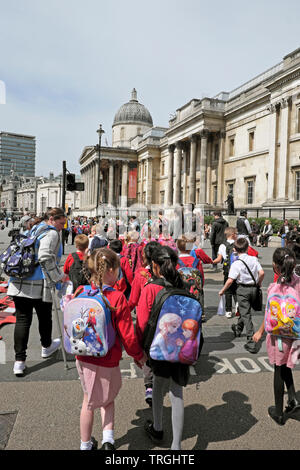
122,133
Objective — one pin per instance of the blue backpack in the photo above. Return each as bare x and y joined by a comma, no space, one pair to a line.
173,331
88,327
19,260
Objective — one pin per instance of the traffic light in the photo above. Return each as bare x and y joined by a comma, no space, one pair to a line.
70,182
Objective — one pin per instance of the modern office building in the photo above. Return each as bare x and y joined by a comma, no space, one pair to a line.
17,152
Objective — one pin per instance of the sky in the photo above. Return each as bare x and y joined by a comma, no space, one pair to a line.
68,65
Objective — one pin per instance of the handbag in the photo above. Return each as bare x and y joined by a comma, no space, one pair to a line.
256,300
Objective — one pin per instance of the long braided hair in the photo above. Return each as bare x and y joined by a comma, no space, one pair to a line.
96,264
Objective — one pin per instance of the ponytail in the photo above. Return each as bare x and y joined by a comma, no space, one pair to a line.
285,262
167,260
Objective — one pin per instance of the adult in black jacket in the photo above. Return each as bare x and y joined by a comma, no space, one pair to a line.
217,236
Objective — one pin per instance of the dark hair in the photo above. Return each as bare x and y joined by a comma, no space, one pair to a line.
285,262
148,250
56,213
167,259
241,245
116,246
218,213
243,212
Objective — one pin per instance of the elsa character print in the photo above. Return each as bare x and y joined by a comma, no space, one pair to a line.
161,348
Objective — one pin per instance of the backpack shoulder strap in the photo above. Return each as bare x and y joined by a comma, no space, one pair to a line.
181,263
248,270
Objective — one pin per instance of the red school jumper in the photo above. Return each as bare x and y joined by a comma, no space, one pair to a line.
141,276
144,308
122,322
69,261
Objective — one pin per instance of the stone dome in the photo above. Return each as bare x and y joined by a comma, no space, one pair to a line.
133,112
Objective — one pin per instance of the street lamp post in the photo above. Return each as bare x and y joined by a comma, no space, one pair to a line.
100,132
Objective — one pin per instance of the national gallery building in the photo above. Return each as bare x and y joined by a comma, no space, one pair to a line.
246,141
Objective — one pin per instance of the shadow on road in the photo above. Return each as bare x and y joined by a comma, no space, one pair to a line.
224,422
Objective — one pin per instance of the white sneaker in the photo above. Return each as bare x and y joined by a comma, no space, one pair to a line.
228,314
19,367
46,352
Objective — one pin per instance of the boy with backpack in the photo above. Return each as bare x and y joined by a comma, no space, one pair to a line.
248,274
73,263
227,256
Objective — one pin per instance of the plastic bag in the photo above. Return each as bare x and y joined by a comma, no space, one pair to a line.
221,306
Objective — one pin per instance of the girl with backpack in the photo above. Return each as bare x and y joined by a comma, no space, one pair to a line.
100,376
166,375
281,350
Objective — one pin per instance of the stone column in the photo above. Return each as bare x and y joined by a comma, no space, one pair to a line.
177,189
124,193
272,152
111,184
221,169
203,166
208,172
184,169
284,143
192,179
170,175
149,182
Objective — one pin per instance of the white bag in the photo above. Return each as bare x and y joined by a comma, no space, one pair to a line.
221,306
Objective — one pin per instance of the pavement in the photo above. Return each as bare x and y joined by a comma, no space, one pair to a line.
226,399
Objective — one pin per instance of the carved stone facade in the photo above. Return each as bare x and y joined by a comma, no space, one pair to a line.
246,141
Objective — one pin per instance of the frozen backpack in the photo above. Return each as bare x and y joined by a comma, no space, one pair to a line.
173,330
192,278
19,260
88,328
282,315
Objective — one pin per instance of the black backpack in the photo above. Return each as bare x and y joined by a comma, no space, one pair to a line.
76,274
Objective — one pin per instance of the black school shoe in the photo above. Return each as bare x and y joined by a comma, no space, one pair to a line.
237,332
278,419
292,405
108,446
250,348
155,436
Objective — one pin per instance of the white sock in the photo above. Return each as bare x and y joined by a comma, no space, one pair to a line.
108,436
86,445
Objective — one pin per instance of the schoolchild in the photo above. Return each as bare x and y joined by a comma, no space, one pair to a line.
141,277
246,289
280,350
131,250
226,256
167,376
188,256
124,284
73,263
100,376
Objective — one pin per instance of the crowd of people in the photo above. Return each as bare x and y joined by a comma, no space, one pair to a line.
129,265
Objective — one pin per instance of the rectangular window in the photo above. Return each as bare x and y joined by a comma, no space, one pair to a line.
162,168
231,146
250,192
251,141
215,194
298,119
297,185
216,152
162,197
230,188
